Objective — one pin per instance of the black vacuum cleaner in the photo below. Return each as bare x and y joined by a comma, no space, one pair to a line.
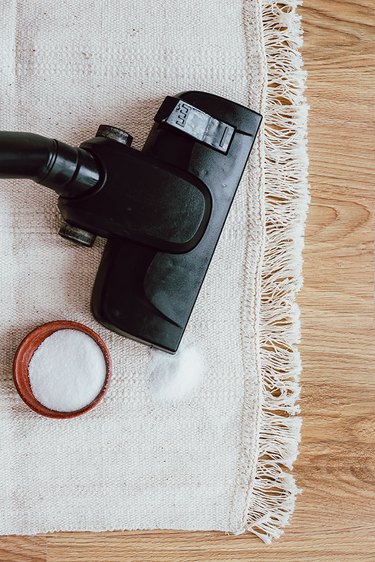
162,208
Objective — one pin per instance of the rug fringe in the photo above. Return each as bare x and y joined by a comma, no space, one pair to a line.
287,199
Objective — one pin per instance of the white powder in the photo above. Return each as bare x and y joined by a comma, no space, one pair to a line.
67,371
176,377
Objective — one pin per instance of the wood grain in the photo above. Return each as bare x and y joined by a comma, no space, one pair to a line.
335,516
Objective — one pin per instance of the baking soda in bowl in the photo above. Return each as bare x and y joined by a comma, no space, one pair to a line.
67,371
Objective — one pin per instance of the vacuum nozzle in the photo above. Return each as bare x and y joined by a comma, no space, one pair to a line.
162,208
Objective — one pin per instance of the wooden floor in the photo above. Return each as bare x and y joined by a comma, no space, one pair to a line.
335,516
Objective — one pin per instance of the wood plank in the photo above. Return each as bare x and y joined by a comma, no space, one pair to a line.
23,549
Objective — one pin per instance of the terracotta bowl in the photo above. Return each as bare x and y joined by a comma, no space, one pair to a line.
26,350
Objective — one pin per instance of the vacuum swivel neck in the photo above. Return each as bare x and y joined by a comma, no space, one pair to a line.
69,171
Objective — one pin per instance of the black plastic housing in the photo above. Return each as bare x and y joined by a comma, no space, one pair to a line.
140,198
148,294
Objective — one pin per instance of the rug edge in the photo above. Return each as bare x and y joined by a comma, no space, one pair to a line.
286,205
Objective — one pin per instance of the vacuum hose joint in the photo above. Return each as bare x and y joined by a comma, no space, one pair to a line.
69,171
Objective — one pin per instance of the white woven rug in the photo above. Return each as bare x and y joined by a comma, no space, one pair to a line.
135,462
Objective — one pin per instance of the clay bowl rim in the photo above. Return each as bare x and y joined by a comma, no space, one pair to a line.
26,350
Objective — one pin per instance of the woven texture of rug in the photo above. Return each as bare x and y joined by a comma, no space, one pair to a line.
220,460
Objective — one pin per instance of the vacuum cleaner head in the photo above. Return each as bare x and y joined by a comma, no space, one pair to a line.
162,208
